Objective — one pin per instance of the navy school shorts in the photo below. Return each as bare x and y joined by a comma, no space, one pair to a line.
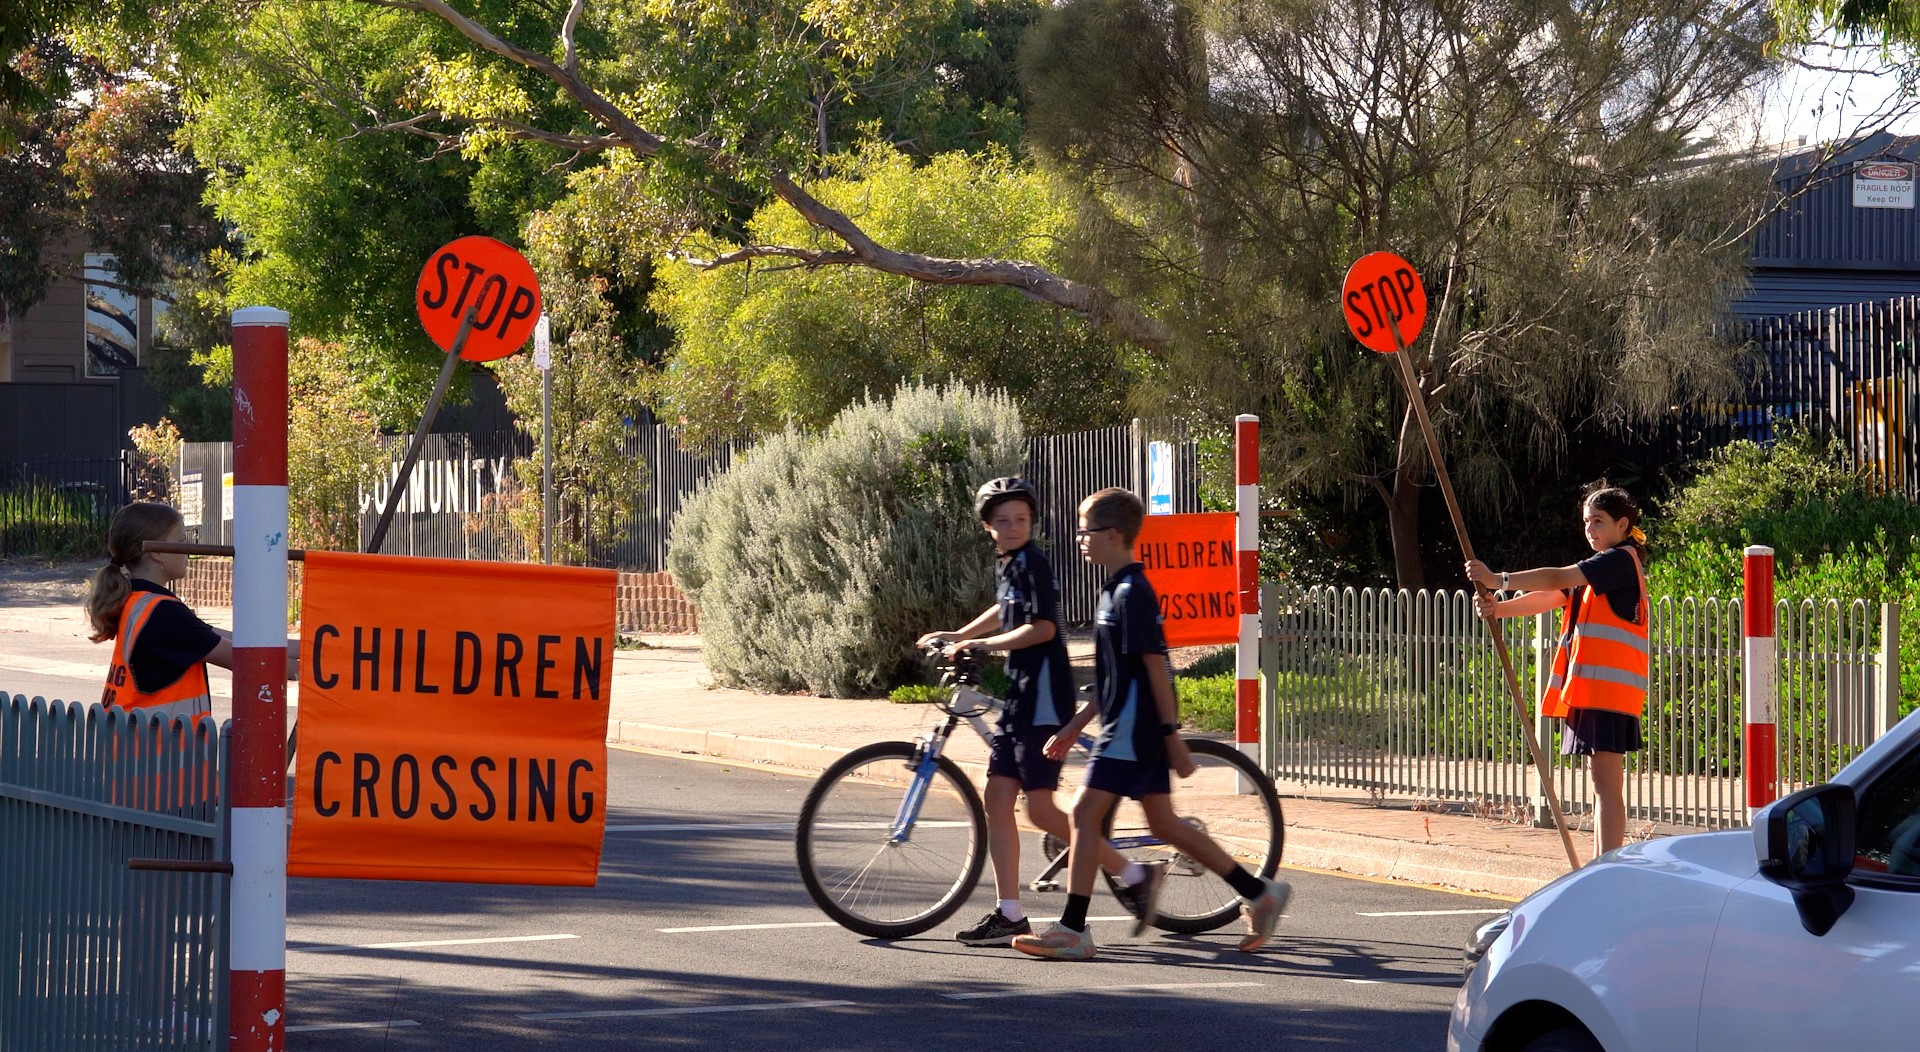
1129,778
1023,755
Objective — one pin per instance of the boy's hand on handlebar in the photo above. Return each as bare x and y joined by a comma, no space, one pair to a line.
954,648
933,639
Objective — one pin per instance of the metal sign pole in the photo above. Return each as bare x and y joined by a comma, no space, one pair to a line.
399,488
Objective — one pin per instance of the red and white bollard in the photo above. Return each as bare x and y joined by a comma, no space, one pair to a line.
1246,506
1759,757
257,771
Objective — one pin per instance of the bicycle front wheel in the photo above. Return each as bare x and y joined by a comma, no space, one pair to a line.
876,881
1230,800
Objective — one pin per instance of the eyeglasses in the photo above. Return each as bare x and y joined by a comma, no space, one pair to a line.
1091,530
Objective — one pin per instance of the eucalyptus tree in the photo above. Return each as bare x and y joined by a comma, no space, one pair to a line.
1548,165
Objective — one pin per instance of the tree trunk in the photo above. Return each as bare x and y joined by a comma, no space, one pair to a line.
1403,503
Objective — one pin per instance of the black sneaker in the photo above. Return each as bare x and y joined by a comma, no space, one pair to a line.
1142,899
994,930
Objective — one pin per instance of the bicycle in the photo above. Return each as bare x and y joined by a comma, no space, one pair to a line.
892,838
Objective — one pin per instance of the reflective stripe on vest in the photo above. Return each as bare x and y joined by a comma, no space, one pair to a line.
1602,660
188,697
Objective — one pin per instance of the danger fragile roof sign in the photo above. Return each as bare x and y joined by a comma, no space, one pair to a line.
453,720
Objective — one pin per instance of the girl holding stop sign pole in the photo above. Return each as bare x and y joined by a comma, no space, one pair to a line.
1599,681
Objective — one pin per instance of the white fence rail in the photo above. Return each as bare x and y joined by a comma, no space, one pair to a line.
1401,694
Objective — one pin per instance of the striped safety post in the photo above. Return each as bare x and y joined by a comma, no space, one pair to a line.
1246,560
1758,753
257,778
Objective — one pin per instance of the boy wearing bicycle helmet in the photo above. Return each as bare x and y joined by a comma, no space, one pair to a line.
1025,622
1140,739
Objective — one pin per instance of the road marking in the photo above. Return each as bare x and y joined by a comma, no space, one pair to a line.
706,827
703,1009
1075,991
428,942
1432,913
768,827
310,1027
1405,982
824,924
748,927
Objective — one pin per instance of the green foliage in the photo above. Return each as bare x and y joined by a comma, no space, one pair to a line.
93,166
1538,165
151,472
333,447
1801,496
917,694
817,559
337,223
597,486
761,347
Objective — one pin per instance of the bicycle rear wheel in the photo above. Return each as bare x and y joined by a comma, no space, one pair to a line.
1230,800
866,878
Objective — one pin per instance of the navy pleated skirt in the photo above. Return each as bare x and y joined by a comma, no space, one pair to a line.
1589,731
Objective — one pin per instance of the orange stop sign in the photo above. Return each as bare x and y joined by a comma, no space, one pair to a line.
1380,289
488,277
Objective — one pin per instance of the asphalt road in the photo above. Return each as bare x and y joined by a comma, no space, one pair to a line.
700,935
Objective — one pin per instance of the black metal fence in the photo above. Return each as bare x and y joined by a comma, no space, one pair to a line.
60,506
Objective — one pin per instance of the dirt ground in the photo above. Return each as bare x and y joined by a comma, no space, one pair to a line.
37,582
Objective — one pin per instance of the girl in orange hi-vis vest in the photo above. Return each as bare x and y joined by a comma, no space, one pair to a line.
160,649
1599,681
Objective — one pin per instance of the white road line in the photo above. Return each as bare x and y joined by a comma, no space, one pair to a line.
766,827
1405,982
429,942
747,927
1076,991
824,924
706,827
701,1010
310,1027
1432,913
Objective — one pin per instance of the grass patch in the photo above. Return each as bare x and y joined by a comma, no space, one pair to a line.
916,694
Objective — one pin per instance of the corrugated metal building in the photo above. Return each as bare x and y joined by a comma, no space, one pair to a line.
1849,232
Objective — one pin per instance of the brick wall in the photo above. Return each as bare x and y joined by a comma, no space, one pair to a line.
649,602
644,602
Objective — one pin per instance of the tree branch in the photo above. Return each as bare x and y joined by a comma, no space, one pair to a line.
1099,307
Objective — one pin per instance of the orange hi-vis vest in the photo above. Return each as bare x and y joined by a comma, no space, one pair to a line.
1602,660
188,697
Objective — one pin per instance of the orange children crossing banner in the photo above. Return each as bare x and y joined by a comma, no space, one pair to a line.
453,720
1189,562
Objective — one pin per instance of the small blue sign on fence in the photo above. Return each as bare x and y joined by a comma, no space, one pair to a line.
1159,478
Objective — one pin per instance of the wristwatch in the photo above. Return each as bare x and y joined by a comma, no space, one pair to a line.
1168,729
1504,586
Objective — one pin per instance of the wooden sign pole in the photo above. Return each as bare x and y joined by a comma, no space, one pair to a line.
1417,399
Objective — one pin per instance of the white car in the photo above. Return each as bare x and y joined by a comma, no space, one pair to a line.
1802,934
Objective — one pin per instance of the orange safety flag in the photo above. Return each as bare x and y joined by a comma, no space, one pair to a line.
453,720
1189,562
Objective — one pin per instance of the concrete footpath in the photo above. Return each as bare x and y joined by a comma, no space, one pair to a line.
662,699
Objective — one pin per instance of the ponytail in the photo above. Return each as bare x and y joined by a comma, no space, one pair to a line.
133,526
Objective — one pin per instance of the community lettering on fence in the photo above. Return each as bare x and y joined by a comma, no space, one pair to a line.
453,720
1189,562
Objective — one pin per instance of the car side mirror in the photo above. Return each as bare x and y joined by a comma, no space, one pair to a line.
1805,844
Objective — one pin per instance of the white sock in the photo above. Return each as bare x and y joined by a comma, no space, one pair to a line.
1133,874
1010,909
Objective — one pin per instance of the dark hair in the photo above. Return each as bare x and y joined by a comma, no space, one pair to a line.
1614,501
132,526
1115,507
